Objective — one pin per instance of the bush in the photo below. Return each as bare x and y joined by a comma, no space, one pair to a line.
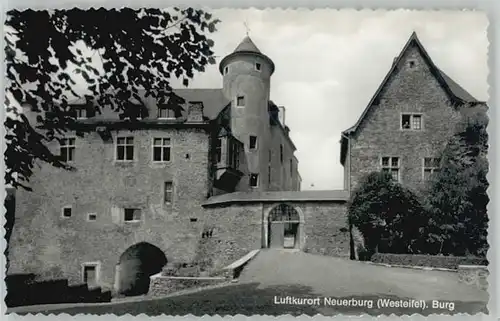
437,261
383,209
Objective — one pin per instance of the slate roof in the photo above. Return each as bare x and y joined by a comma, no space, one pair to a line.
282,196
247,45
454,90
213,99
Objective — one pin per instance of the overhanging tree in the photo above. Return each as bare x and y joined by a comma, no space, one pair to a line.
457,197
139,52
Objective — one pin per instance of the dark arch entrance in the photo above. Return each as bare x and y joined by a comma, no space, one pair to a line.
136,265
283,227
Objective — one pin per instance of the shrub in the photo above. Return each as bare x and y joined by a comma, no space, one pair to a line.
383,209
438,261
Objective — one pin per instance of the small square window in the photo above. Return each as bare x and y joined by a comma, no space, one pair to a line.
240,101
253,142
67,211
254,180
193,219
411,63
132,214
258,66
91,217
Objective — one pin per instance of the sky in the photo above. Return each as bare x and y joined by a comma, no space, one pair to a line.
329,63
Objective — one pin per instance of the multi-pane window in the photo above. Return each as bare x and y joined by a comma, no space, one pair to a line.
411,121
218,150
67,149
391,165
131,214
254,180
234,156
125,148
431,165
253,142
240,101
168,192
166,113
161,149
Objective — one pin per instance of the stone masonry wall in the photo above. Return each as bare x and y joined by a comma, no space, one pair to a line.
410,90
43,240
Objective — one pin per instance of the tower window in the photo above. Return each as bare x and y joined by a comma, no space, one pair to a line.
254,180
226,69
281,154
253,142
240,101
258,66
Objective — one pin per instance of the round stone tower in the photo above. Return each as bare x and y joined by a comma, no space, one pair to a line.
246,83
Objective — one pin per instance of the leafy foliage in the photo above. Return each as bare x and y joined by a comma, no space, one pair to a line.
457,197
126,55
385,211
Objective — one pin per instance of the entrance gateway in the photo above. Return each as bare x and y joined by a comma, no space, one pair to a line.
283,227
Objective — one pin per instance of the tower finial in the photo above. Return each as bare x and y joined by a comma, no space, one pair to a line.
247,28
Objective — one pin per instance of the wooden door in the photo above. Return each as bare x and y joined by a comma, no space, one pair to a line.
276,235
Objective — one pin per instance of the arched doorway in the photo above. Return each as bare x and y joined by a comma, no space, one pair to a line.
283,227
136,265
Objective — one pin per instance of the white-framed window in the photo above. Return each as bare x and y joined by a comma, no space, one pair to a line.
66,211
166,113
391,165
168,192
252,142
240,101
91,217
162,149
254,180
131,214
411,121
218,150
67,149
258,66
430,166
81,112
125,148
91,273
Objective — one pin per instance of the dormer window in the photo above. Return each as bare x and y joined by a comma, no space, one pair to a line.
81,113
166,113
240,101
258,66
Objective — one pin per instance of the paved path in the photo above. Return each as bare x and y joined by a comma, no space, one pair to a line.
329,276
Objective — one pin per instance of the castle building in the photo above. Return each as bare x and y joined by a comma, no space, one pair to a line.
219,179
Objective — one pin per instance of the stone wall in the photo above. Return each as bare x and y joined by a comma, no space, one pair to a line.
410,90
476,275
164,285
43,240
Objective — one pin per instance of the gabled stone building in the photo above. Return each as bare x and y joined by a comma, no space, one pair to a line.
407,123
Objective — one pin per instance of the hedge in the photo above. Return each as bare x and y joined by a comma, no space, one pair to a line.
448,262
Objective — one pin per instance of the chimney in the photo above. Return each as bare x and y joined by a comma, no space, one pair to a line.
195,111
282,115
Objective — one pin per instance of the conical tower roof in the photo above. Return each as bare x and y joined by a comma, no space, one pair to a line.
246,47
